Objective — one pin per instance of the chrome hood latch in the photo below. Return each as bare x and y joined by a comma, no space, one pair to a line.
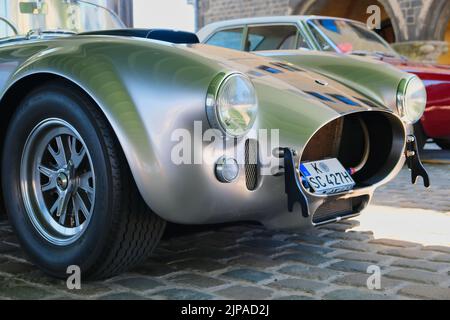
414,163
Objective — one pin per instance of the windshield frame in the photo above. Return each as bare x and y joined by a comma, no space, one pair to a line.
311,23
11,25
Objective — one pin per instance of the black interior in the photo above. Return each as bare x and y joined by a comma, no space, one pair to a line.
172,36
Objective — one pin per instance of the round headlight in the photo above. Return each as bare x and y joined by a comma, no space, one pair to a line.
232,104
412,99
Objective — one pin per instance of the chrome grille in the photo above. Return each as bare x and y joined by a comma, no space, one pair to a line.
332,210
251,164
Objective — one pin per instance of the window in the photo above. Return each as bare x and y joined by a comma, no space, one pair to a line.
273,38
324,45
231,39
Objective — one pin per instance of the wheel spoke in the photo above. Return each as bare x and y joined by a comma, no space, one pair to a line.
51,185
85,183
75,211
62,218
76,156
60,155
55,206
63,203
82,206
49,173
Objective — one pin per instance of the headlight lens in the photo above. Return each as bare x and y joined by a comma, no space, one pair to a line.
412,99
232,104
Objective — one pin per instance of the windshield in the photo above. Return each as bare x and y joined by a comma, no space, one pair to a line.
54,15
351,37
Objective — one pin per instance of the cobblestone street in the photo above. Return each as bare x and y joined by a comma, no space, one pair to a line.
249,262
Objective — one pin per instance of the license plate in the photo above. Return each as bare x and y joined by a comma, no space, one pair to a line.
327,176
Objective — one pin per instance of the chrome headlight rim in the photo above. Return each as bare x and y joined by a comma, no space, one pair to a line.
402,93
212,107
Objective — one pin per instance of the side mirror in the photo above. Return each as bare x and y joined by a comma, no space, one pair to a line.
34,8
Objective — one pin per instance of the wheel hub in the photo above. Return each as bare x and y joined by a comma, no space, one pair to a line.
62,181
59,190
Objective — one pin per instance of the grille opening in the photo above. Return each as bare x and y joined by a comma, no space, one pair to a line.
251,164
339,209
373,141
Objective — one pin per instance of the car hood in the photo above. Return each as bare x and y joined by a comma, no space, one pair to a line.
295,80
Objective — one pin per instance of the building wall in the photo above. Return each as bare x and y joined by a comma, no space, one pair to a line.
216,10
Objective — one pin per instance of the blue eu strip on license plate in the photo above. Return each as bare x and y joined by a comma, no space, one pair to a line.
327,176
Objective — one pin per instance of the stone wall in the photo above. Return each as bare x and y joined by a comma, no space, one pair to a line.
216,10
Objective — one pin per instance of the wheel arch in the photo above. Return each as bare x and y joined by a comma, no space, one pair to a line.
18,91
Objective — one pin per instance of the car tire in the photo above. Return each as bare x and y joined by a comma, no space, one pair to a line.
100,224
444,144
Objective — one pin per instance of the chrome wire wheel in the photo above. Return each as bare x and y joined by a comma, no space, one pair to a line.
57,182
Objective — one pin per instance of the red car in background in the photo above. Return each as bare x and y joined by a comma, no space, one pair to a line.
345,37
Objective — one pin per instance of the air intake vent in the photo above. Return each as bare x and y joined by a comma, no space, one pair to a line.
332,210
251,164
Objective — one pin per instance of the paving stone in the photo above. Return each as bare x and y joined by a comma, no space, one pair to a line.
254,262
198,264
222,239
294,298
153,269
296,284
241,229
181,294
139,283
437,249
191,279
418,276
39,277
350,235
306,248
311,239
339,227
426,292
360,280
420,264
307,272
248,275
351,266
16,268
122,296
394,243
88,289
6,248
354,246
442,258
406,253
245,293
362,256
354,294
264,243
261,251
16,289
312,259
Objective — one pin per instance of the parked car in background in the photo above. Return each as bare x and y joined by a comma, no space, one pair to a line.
341,36
96,132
